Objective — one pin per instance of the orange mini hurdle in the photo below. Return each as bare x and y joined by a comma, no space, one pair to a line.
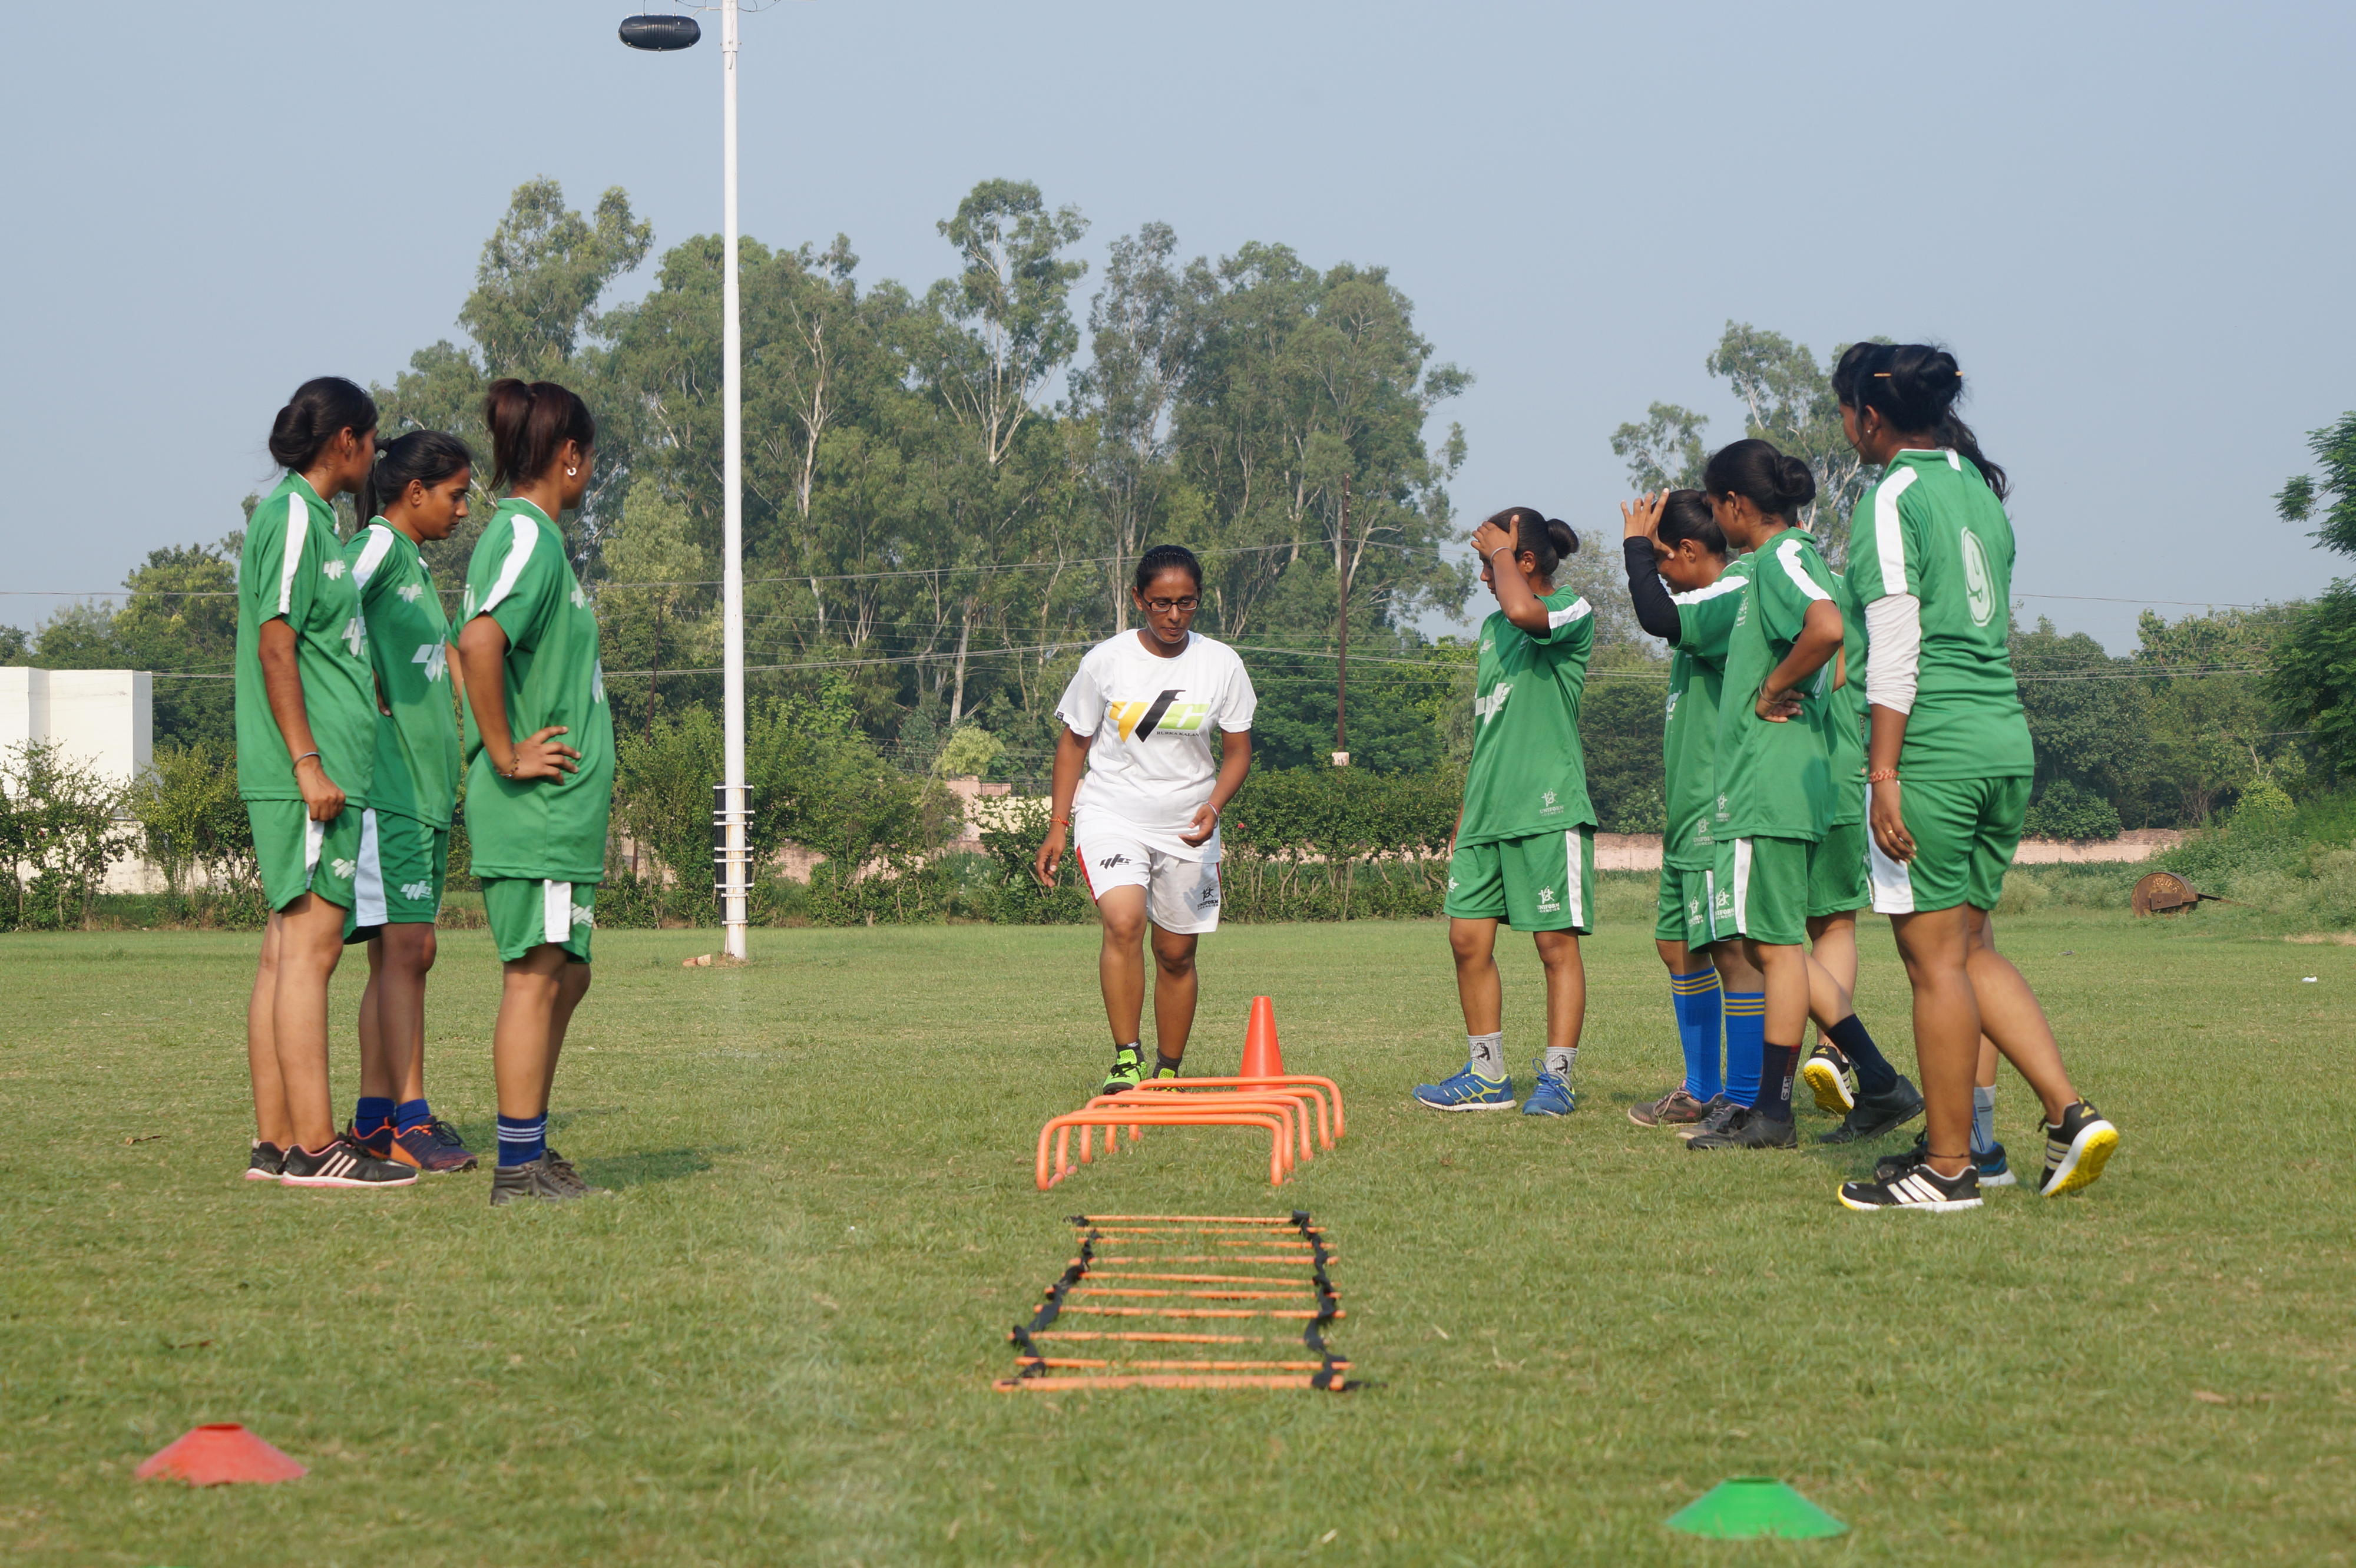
1058,1130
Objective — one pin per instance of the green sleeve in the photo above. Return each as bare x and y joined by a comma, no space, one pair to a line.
1706,617
285,577
1788,584
526,584
1571,624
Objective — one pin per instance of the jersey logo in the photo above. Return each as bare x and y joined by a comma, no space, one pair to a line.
346,869
1673,705
435,659
1547,902
1487,708
470,601
413,592
417,889
332,567
354,635
580,599
582,914
1979,587
1549,809
1136,721
597,683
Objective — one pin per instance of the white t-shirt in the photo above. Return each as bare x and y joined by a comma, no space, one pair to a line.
1149,720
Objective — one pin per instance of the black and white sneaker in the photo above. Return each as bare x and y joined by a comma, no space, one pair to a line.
1715,1115
1830,1078
266,1163
1747,1128
341,1164
1875,1114
2077,1151
1994,1170
1918,1187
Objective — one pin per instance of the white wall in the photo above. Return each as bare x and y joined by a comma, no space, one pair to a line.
103,719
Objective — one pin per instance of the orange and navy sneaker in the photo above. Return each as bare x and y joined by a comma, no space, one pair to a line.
430,1145
376,1143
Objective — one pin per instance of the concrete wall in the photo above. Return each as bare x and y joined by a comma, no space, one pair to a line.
103,719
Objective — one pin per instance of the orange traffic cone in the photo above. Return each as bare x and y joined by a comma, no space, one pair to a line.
211,1454
1261,1056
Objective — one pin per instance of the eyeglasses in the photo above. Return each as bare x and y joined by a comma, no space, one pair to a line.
1163,607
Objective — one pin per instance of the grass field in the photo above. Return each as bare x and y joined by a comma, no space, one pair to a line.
775,1345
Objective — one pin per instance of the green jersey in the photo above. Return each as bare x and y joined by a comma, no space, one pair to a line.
1529,774
1933,530
1845,713
292,570
408,644
1689,735
545,830
1775,779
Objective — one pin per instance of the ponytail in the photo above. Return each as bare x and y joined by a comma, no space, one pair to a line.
1535,534
321,409
530,425
1914,387
427,457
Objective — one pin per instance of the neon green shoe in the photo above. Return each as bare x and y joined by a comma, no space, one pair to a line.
1128,1070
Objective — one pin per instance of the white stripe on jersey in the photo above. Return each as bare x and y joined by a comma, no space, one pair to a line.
1569,613
368,884
290,554
372,554
1787,555
527,534
1729,584
556,912
1888,537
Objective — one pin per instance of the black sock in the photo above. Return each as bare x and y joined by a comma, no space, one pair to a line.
1874,1073
1162,1064
1775,1081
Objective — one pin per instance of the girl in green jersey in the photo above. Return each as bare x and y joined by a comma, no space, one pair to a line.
415,494
1526,837
1948,768
536,805
307,723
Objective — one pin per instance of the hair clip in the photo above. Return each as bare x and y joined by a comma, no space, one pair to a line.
1881,375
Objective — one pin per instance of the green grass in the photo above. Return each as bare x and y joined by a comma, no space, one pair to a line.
776,1344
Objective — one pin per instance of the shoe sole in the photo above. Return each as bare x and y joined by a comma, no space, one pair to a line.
410,1180
253,1175
1944,1206
1753,1148
1541,1110
2001,1178
1831,1090
2090,1150
1469,1105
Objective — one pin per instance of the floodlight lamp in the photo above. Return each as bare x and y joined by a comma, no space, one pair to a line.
659,32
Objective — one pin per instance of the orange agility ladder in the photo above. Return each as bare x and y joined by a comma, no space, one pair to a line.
1289,1284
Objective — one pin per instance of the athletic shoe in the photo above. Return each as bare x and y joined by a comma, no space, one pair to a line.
430,1145
564,1171
1675,1108
1467,1090
1833,1080
1875,1114
1995,1169
545,1178
342,1164
267,1162
1164,1074
1551,1096
1127,1071
1917,1188
375,1145
1747,1128
1713,1117
2077,1151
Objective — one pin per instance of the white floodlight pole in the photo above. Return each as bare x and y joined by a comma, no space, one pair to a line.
738,884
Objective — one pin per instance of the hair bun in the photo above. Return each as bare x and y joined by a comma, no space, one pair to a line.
1565,537
1795,483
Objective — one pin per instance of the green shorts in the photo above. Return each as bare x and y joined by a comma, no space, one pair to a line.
526,913
1762,890
1541,883
1837,878
298,855
1964,831
1688,912
404,862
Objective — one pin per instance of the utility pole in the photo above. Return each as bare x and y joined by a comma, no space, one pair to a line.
1342,669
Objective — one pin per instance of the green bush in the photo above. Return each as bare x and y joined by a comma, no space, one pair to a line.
192,820
2068,810
60,830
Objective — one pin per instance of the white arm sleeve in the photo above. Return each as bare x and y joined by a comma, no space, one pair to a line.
1893,627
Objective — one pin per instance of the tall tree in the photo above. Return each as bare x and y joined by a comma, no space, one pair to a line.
1143,338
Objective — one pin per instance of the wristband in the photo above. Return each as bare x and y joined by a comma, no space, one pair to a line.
1060,821
1882,776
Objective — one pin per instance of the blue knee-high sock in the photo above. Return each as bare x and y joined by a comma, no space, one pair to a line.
1695,998
1746,1044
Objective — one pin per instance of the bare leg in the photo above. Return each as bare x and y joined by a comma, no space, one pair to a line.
1735,970
1675,955
376,1077
1566,984
1935,945
310,940
1785,969
1175,985
1475,945
572,986
1121,964
392,1009
1988,1058
271,1123
1832,946
530,989
2009,1013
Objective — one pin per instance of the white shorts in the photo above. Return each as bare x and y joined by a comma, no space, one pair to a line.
1181,895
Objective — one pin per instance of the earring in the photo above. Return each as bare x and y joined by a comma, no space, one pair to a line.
570,472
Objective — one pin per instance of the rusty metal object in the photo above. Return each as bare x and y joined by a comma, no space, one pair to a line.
2166,893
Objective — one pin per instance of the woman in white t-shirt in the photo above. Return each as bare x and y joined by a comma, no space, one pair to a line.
1138,717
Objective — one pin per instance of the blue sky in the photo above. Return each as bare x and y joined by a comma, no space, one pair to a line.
2130,221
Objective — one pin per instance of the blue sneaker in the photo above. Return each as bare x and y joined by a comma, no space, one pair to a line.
1552,1096
1995,1169
1467,1090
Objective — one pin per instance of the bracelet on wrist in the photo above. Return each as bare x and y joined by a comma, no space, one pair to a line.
1881,776
305,758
